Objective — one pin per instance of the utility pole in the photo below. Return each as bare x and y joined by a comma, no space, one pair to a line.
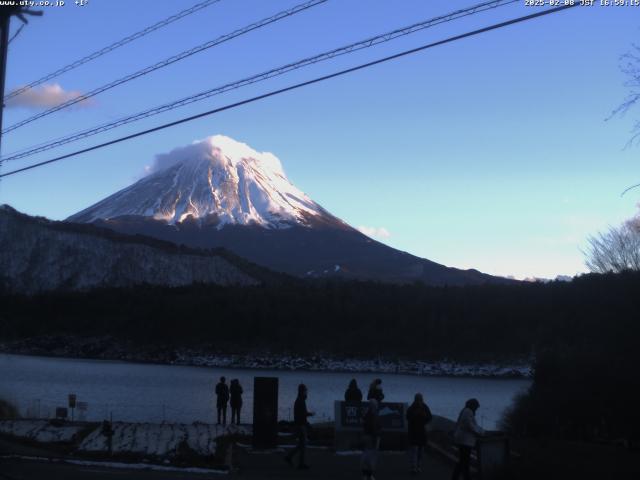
5,20
6,12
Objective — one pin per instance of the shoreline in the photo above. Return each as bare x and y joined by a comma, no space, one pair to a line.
442,368
315,363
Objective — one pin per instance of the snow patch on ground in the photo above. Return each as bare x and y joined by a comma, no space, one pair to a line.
145,439
159,440
40,430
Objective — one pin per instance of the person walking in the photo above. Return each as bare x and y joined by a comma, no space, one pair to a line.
235,391
375,391
371,429
222,398
465,436
418,416
301,422
353,394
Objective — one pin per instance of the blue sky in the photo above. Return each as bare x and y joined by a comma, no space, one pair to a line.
491,153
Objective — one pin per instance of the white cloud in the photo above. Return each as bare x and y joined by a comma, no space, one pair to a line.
374,232
216,146
46,96
197,149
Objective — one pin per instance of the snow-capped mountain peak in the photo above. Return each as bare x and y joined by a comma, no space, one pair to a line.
218,180
220,193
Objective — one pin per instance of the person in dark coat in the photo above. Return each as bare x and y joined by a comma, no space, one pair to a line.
375,391
235,390
418,416
371,429
353,393
300,419
222,398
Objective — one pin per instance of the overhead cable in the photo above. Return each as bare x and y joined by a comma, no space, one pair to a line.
367,43
109,48
294,87
168,61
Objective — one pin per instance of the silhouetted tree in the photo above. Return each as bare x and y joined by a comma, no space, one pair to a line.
616,250
630,66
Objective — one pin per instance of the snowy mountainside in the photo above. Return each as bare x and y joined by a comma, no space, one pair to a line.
38,255
214,181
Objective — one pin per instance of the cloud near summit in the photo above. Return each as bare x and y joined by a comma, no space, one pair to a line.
177,155
214,146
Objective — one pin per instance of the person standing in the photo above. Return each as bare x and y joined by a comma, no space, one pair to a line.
235,390
375,391
300,419
371,429
222,398
418,416
353,393
465,437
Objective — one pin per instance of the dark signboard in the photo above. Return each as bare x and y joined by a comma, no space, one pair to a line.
392,415
265,412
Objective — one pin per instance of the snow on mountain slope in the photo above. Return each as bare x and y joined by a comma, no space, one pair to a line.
214,181
38,255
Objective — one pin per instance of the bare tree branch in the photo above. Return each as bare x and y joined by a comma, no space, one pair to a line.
616,250
630,66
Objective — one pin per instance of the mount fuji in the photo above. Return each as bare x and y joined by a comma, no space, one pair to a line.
221,193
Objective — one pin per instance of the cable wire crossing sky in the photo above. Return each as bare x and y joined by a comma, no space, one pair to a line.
489,152
367,43
289,88
109,48
168,61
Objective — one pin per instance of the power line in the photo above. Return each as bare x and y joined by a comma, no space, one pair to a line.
369,42
13,37
628,189
20,11
163,23
295,86
168,61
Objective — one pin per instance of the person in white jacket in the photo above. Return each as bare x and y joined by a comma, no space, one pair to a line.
465,436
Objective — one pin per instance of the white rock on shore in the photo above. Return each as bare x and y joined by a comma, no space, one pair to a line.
523,370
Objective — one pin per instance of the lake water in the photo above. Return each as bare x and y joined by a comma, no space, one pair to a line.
155,393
